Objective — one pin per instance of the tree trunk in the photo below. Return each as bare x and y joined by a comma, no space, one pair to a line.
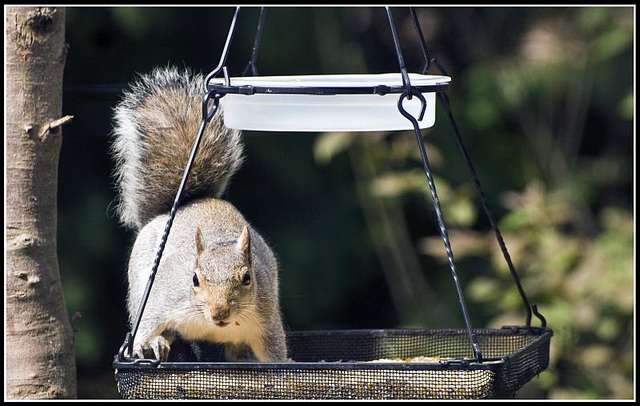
40,354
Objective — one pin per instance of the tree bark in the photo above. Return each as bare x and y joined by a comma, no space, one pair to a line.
40,354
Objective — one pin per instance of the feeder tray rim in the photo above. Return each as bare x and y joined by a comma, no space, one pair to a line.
444,364
334,84
487,363
506,330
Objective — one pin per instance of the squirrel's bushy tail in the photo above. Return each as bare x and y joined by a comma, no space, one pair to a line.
156,123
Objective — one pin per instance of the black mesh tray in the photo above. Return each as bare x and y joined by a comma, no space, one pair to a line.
350,364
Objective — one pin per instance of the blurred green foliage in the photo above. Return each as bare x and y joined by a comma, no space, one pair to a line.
544,99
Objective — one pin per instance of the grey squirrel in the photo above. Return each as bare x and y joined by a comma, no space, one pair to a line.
217,280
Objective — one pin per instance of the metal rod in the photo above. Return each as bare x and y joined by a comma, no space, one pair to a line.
423,44
403,69
440,218
167,227
444,99
165,236
487,209
206,117
256,45
225,52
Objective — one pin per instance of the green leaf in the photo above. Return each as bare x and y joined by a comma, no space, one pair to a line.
611,43
460,211
517,220
626,107
484,289
328,145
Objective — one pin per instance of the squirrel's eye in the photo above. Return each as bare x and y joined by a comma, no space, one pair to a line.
196,282
246,279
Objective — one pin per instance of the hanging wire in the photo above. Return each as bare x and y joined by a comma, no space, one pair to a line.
423,44
432,186
207,114
441,225
403,69
444,99
251,66
225,52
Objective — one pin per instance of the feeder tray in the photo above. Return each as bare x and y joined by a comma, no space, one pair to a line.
350,364
326,102
344,364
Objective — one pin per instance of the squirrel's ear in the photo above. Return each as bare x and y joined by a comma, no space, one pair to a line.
199,244
244,244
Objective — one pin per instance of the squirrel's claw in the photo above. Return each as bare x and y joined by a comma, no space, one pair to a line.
160,346
137,351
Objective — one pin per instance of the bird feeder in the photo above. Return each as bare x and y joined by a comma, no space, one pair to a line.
464,363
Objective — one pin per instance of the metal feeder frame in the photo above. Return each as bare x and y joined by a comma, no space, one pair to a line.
341,364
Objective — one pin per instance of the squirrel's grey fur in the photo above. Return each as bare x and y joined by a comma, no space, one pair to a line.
155,125
217,279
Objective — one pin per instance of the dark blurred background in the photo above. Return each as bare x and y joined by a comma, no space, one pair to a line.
544,99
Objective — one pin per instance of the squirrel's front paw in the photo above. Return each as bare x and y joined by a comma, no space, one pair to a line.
159,346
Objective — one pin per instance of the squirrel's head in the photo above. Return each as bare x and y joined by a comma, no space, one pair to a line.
224,280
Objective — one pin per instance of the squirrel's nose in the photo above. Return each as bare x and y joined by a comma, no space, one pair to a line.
220,311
